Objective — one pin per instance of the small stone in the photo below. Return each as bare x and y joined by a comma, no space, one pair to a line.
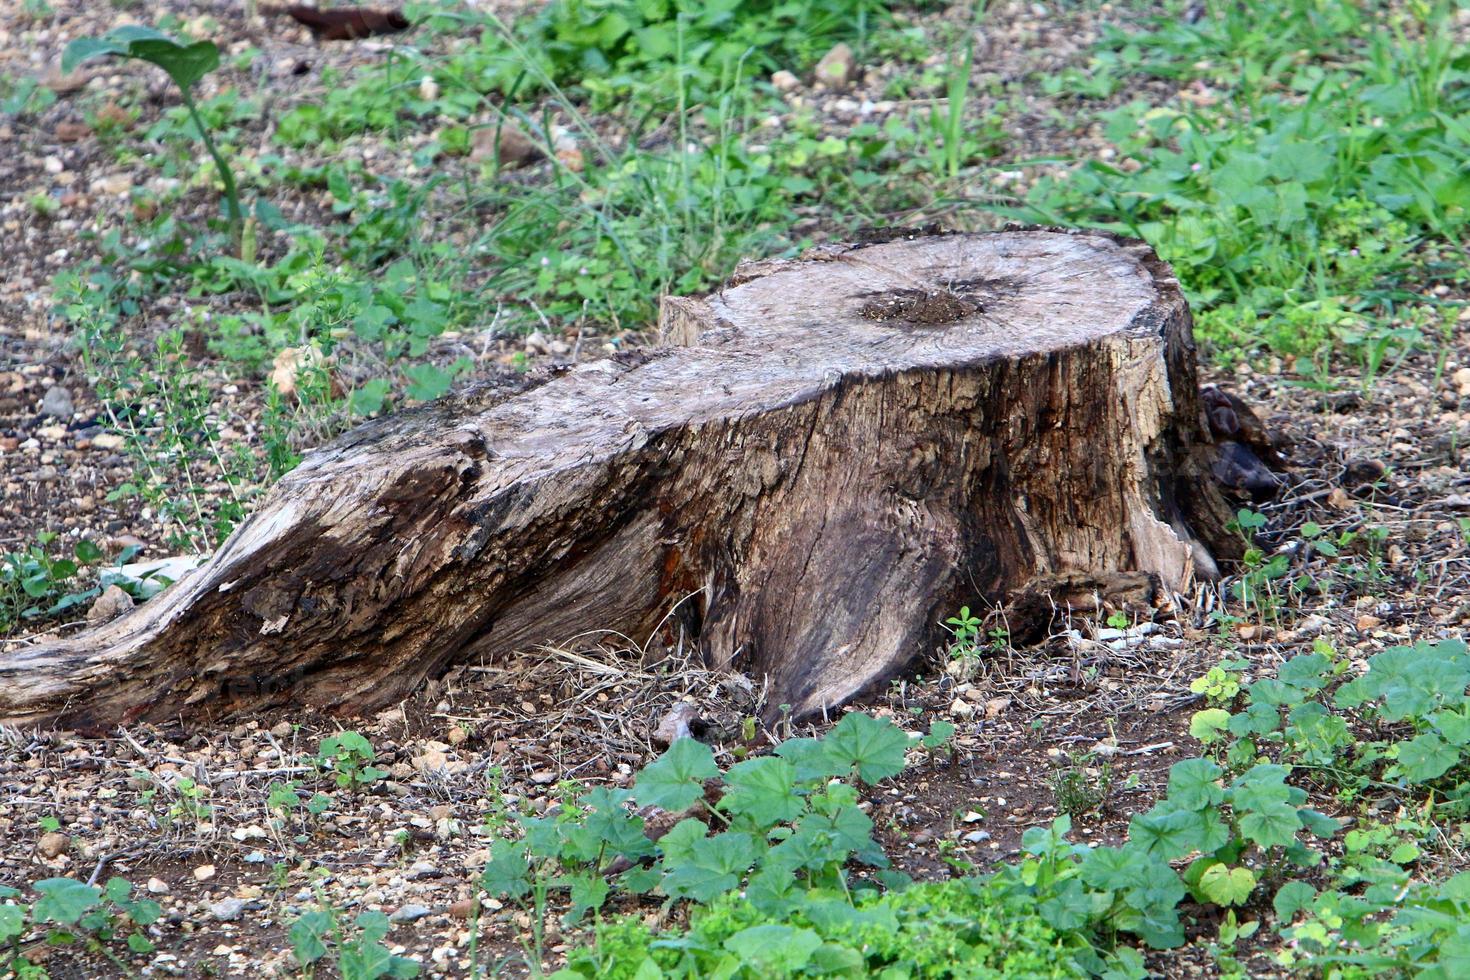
204,872
456,736
962,708
68,83
113,184
1461,378
1368,622
72,132
835,68
976,836
112,603
462,909
785,81
996,707
290,363
428,88
157,886
57,403
409,913
53,845
53,165
504,142
228,909
676,724
281,729
108,440
423,869
571,159
973,816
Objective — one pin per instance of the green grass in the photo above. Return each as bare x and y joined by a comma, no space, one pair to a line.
1310,197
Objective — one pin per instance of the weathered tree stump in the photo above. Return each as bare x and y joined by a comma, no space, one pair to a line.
830,455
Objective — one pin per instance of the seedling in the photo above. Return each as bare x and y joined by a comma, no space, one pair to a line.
186,64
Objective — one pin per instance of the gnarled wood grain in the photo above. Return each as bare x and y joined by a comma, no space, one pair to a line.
828,455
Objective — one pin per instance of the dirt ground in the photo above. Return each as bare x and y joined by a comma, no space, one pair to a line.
1383,452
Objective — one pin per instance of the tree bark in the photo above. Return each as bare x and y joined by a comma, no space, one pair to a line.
827,457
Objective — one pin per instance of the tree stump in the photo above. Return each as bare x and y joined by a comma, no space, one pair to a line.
828,456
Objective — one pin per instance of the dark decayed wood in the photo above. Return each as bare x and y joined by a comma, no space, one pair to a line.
828,456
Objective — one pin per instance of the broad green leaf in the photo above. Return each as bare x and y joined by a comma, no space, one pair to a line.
710,867
1193,784
1291,898
612,824
507,872
587,893
1168,832
308,936
1259,787
1304,671
811,759
676,779
1110,868
1426,757
773,892
184,63
1317,823
12,922
1272,825
1209,725
427,382
774,950
64,900
875,746
1227,886
87,48
763,790
939,733
1454,726
641,879
368,398
678,844
374,925
1156,888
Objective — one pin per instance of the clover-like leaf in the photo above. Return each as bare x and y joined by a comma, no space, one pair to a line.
676,779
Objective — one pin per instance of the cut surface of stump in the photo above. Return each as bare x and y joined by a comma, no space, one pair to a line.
826,458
